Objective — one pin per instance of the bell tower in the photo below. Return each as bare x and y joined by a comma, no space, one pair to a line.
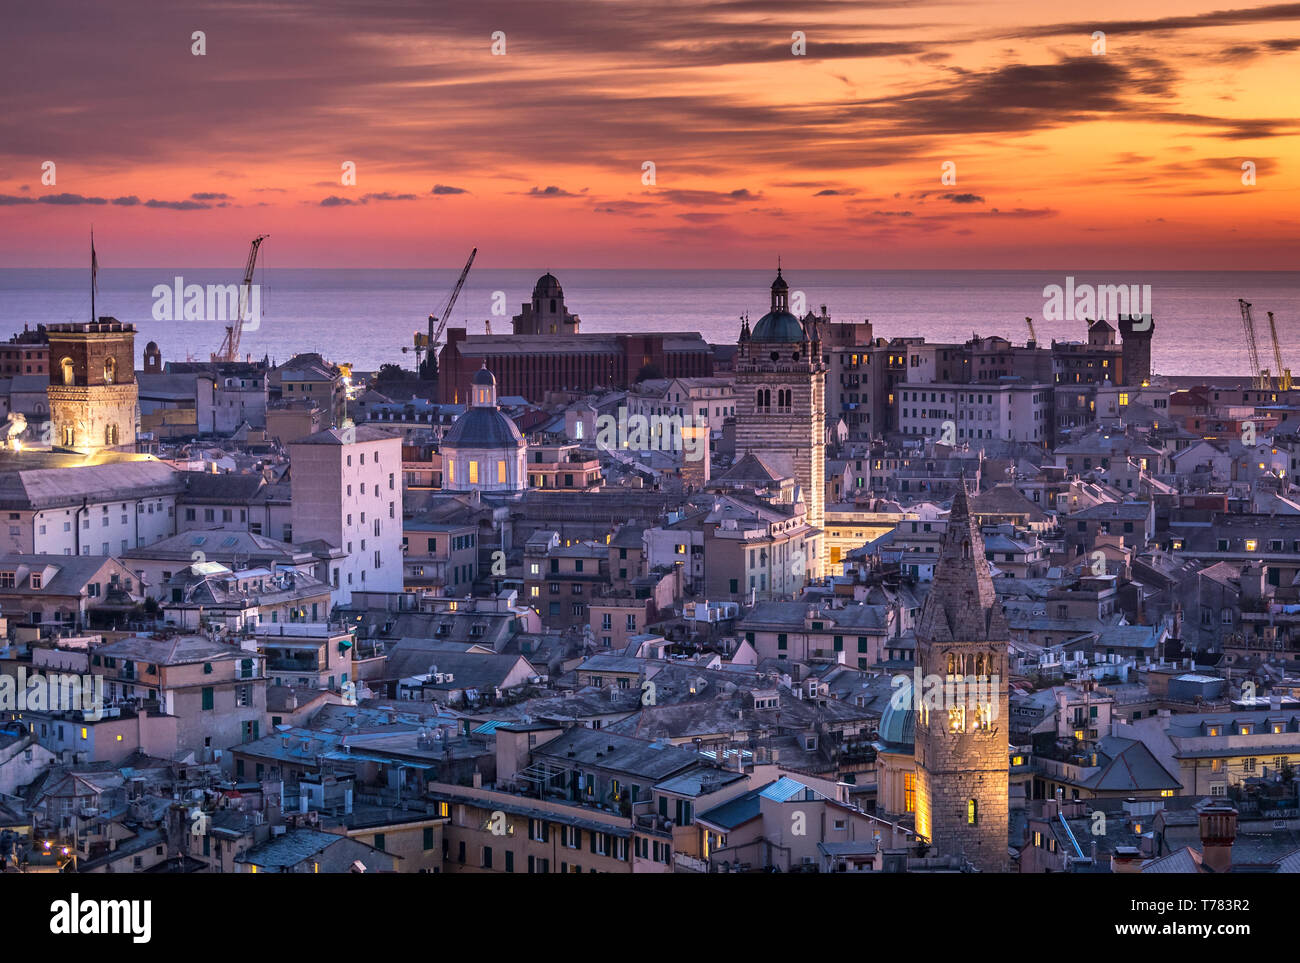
781,405
962,765
92,391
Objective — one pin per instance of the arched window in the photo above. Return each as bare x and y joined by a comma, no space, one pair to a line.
68,375
972,811
110,370
110,435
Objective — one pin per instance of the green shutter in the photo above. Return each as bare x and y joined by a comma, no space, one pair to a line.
207,697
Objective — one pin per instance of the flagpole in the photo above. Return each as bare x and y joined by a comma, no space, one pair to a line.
92,274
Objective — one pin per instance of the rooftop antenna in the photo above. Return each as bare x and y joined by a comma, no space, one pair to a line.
94,271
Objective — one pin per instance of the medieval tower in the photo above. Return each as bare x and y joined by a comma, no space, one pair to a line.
1135,358
962,735
92,392
781,403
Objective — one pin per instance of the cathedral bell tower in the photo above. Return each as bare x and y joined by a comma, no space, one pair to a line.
781,404
962,744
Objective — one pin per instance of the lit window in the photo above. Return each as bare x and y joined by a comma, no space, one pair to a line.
501,472
473,473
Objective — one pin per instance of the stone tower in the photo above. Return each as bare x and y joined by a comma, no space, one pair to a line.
92,391
781,403
962,728
1135,357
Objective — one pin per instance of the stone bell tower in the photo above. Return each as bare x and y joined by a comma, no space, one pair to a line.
962,785
92,392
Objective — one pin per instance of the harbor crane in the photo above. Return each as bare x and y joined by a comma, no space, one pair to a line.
1259,376
1283,374
428,343
229,350
1032,335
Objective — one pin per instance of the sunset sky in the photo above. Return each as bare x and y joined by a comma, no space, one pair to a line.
1064,158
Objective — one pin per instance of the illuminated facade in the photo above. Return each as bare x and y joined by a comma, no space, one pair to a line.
92,392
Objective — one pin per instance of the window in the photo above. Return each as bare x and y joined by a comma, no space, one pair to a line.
972,812
207,697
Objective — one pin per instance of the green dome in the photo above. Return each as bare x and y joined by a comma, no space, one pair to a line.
898,720
778,327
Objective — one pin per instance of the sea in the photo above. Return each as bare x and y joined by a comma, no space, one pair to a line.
365,317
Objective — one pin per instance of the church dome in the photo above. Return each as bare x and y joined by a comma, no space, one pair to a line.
548,286
483,427
778,327
898,722
484,378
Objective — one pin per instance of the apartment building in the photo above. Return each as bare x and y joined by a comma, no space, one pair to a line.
347,492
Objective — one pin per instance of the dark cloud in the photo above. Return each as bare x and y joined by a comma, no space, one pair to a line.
551,191
695,197
335,201
1217,18
210,196
70,199
178,205
447,189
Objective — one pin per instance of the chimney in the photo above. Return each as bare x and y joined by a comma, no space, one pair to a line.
1218,830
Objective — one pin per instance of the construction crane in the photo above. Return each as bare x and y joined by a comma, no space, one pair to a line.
229,350
1283,374
1032,336
428,343
1258,376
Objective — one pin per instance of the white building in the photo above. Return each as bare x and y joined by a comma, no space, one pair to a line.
88,509
346,486
1012,411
